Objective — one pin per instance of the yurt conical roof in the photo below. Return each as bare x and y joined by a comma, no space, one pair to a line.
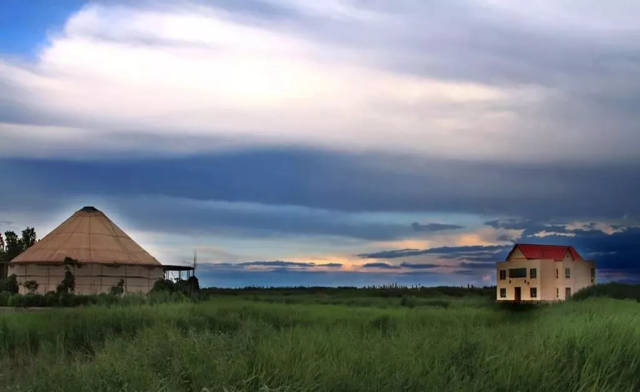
88,236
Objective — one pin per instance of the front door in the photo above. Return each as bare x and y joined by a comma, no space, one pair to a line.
567,292
518,293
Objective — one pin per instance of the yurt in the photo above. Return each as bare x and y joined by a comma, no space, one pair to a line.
103,256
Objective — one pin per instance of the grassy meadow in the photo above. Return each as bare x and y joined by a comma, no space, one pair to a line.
324,341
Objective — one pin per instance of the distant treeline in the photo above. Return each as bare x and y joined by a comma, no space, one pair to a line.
369,291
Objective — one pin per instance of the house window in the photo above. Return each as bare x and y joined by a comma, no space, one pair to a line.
534,292
503,274
556,273
533,273
567,273
567,292
503,293
517,272
557,292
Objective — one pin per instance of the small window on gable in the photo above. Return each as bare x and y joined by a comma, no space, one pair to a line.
503,293
503,274
533,273
567,273
534,292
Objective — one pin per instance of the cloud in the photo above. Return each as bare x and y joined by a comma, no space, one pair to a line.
445,251
431,227
343,76
546,233
288,264
380,265
491,265
419,266
321,179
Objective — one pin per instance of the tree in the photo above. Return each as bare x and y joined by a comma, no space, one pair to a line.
13,245
4,268
28,238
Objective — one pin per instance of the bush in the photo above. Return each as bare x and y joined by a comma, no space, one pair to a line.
68,284
612,290
189,287
31,285
407,301
163,285
118,289
4,298
10,284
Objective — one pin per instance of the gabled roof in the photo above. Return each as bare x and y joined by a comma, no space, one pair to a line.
554,252
88,236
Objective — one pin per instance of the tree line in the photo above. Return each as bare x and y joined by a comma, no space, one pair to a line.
11,245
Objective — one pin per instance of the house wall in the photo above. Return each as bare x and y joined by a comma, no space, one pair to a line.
89,278
550,287
525,283
580,276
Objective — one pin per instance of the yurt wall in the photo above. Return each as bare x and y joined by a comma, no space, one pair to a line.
89,278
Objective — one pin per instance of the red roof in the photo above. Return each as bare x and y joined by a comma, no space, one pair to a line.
555,252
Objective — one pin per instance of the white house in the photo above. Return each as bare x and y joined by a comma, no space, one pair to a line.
543,273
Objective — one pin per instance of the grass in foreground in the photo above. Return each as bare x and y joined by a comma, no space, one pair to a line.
259,342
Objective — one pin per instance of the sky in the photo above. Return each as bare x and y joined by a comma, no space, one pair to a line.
332,143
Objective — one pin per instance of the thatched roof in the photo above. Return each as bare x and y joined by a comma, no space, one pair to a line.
88,236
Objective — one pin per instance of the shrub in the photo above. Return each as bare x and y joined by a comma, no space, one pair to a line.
163,285
612,290
68,284
4,298
407,301
118,289
31,285
190,286
10,284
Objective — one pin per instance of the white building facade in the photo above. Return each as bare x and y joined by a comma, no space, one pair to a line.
542,273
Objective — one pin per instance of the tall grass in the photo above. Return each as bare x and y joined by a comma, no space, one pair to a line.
255,343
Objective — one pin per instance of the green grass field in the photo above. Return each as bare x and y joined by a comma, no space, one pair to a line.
324,342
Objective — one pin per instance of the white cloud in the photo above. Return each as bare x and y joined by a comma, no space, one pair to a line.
195,72
546,233
603,227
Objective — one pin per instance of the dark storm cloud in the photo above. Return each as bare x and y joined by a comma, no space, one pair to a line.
484,266
335,181
445,252
430,227
381,265
419,266
618,251
277,263
529,226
